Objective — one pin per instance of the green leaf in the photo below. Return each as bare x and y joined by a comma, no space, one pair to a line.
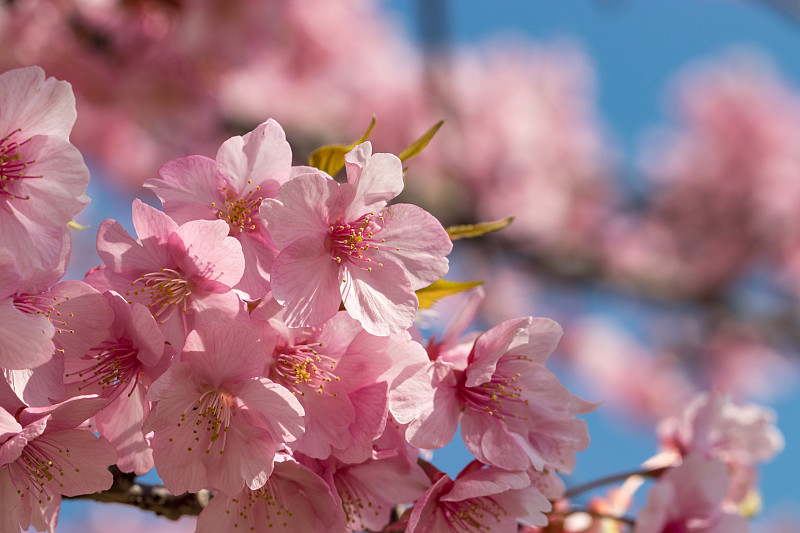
330,158
476,230
416,148
441,288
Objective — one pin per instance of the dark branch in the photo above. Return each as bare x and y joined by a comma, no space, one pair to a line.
154,498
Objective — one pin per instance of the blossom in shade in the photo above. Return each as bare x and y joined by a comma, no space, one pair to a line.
293,499
334,372
247,169
41,322
42,176
341,243
183,274
218,423
43,456
514,412
479,499
688,499
121,369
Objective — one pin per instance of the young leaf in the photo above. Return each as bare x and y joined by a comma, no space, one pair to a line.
330,158
476,230
416,148
441,288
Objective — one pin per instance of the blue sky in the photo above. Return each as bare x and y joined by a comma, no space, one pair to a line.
637,47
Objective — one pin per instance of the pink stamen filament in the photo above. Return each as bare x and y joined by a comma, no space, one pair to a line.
351,241
12,167
116,368
490,397
471,515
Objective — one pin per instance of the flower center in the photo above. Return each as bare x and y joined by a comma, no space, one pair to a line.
263,506
500,396
300,368
472,514
33,304
355,504
36,461
114,367
13,167
164,291
216,408
354,242
240,211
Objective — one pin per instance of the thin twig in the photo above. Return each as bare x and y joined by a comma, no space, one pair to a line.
615,478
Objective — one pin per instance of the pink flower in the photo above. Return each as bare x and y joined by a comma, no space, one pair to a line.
121,368
248,169
514,413
480,499
42,176
43,456
218,423
334,372
341,243
183,274
293,499
687,498
713,427
40,323
362,489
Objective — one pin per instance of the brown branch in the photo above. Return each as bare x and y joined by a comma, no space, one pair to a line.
154,498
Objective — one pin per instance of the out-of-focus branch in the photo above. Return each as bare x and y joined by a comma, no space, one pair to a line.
789,9
154,498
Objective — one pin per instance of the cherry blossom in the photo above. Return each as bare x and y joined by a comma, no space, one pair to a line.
687,498
42,176
294,498
333,371
121,368
341,243
218,422
44,456
479,499
248,169
513,410
183,274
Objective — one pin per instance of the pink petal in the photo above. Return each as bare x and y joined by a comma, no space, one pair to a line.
306,281
415,240
226,352
372,180
262,156
305,208
37,105
382,300
188,188
25,339
210,253
58,196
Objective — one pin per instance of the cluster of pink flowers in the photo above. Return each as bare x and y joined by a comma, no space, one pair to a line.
257,338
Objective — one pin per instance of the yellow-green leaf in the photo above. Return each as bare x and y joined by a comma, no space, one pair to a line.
74,225
330,158
441,288
476,230
416,148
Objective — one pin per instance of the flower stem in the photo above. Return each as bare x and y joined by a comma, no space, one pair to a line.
614,478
